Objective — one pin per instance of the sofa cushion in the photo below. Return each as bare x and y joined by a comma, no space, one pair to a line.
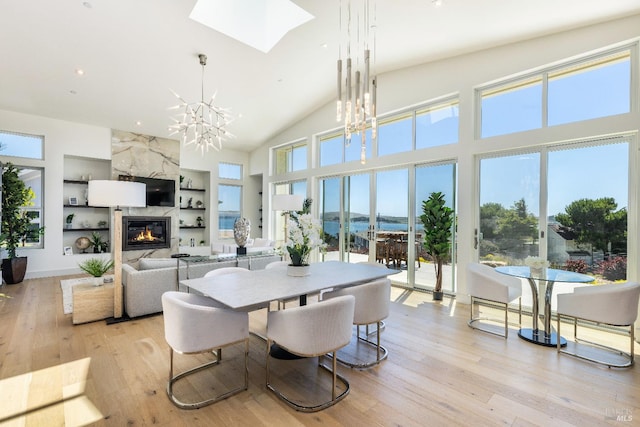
153,263
259,242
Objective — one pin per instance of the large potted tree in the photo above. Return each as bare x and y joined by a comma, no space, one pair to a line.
437,219
16,224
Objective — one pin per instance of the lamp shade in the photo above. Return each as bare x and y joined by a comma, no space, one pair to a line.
116,193
286,202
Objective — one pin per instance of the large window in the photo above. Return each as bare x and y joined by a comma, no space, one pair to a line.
229,208
592,88
548,203
291,158
31,147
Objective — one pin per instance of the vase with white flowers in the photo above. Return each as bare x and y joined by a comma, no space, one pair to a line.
304,235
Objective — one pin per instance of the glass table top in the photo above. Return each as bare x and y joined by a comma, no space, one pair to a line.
550,274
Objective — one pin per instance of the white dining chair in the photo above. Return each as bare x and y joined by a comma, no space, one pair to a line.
225,270
312,331
372,307
486,285
614,305
196,324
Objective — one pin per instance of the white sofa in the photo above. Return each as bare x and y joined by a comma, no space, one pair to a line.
253,245
143,287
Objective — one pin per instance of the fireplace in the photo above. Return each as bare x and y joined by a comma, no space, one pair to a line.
146,232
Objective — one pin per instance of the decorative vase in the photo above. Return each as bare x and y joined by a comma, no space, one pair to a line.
241,231
298,270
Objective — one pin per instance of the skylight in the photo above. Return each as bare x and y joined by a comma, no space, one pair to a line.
258,23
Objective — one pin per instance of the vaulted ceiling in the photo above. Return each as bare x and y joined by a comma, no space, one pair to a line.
133,52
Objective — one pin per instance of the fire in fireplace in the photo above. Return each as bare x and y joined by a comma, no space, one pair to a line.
145,232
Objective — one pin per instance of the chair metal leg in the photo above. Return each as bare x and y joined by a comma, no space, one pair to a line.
195,405
473,320
629,357
335,398
381,352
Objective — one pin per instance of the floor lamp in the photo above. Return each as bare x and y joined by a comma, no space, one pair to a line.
116,194
286,203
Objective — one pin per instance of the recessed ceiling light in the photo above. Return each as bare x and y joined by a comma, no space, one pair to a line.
324,45
138,123
79,72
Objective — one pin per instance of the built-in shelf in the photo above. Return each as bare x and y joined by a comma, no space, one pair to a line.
85,206
85,229
202,190
187,227
75,181
192,209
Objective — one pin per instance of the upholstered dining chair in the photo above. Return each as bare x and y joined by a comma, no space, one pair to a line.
276,264
614,305
486,284
225,270
312,331
196,324
372,306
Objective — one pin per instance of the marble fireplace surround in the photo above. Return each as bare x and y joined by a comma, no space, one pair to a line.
151,157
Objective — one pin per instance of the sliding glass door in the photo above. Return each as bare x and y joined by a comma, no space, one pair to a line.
429,179
344,209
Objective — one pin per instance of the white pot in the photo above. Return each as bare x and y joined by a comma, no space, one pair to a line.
298,270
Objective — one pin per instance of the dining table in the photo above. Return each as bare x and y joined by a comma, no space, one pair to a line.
536,278
254,289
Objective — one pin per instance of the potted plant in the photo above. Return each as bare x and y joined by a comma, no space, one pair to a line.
16,224
437,219
96,267
96,242
69,220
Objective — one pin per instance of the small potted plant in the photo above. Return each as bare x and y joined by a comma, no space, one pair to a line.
437,219
96,242
96,267
70,220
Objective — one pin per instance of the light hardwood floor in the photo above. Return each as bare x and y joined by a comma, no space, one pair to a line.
439,372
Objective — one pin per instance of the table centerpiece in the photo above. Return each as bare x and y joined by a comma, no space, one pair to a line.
304,235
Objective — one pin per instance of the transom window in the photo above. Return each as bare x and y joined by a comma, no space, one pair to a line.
21,145
588,89
229,171
290,158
